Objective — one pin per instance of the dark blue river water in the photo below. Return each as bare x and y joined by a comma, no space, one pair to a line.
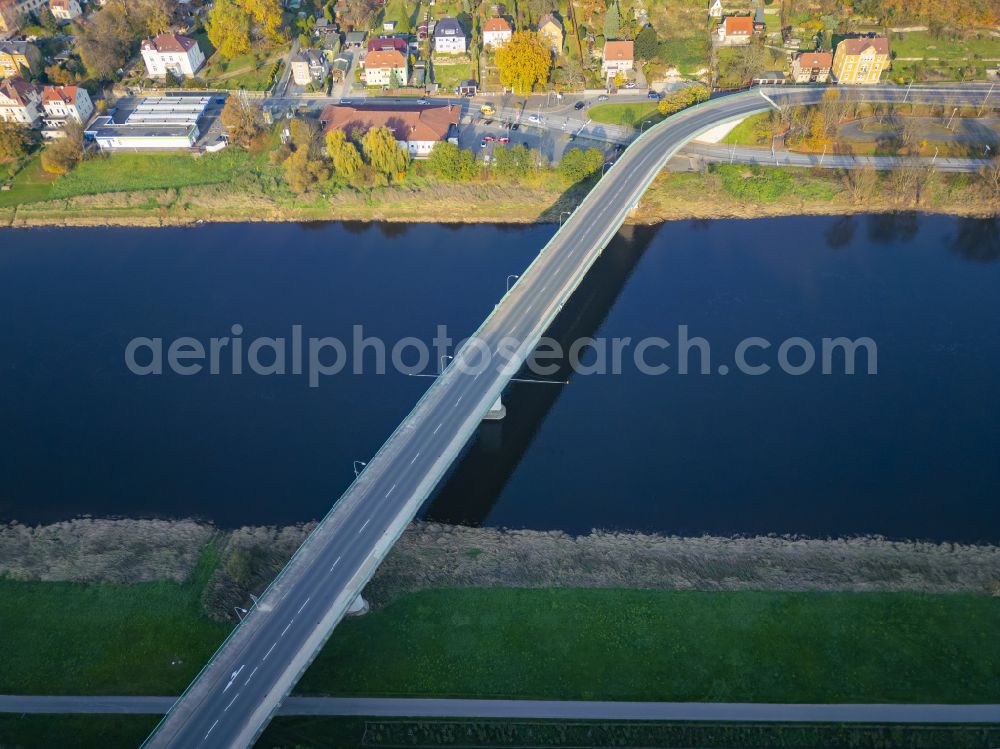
911,451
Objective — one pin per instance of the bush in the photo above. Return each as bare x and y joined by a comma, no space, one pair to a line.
755,184
576,165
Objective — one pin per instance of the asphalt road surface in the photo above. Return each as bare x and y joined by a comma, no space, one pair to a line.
235,695
539,709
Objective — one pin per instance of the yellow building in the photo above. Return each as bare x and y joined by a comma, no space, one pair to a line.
19,58
861,60
550,31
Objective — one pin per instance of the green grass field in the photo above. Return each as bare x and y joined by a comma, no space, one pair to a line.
549,643
656,645
921,44
68,638
631,115
746,133
124,172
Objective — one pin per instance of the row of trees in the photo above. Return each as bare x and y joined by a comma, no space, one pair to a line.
683,98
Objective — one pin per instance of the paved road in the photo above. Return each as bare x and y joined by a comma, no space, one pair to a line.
747,155
540,709
234,696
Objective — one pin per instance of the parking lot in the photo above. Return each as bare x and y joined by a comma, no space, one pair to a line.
550,142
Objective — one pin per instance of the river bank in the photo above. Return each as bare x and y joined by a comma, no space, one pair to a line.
720,191
433,555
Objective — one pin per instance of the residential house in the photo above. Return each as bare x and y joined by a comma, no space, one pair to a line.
618,57
550,31
19,58
14,12
354,40
449,36
423,30
340,67
172,53
64,104
416,129
20,101
759,21
859,61
496,32
811,67
736,31
309,66
386,67
65,10
397,43
715,9
468,87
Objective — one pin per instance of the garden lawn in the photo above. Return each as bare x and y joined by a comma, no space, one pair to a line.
920,45
668,645
632,115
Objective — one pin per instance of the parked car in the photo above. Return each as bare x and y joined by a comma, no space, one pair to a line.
489,138
504,139
534,118
602,97
653,95
630,84
579,105
482,143
422,101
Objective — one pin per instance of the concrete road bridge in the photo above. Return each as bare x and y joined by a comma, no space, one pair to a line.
235,695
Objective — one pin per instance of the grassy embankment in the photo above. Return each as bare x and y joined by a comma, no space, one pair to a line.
234,185
630,115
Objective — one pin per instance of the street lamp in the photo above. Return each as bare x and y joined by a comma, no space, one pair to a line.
238,610
441,363
515,276
357,471
605,166
646,122
564,213
952,118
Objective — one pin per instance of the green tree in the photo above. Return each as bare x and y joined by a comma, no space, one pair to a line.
344,154
612,22
513,163
447,161
576,164
14,140
523,62
60,156
383,152
646,44
243,119
229,28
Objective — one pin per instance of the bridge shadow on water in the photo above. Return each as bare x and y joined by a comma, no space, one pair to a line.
469,491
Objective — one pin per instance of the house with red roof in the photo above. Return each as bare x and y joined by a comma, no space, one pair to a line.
735,31
172,53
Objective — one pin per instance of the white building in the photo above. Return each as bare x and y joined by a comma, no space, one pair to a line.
449,36
496,32
715,9
618,57
172,53
309,66
159,122
20,101
417,130
65,10
64,104
386,67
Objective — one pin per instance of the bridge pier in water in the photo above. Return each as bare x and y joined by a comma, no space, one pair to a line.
497,411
